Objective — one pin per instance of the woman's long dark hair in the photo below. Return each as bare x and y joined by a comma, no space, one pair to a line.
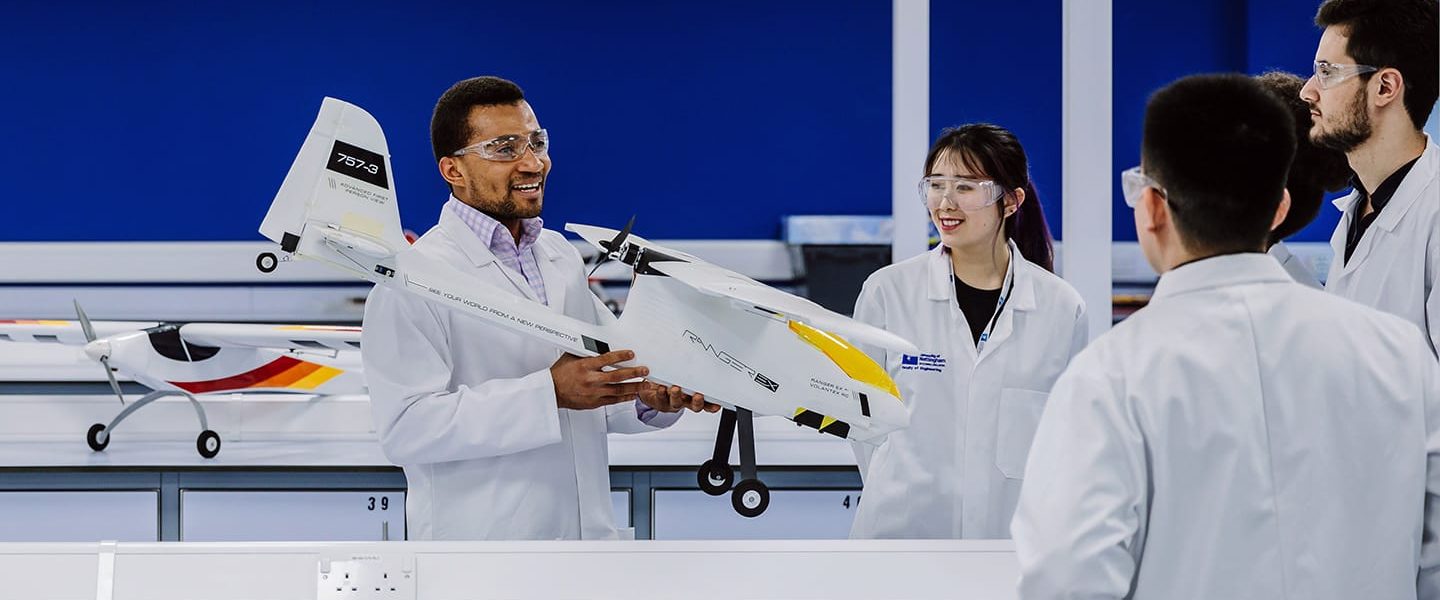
993,152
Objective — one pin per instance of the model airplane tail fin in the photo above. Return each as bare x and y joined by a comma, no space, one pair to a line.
337,203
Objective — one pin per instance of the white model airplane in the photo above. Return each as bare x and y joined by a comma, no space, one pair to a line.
746,346
202,358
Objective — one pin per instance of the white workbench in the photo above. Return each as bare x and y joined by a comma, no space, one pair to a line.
834,570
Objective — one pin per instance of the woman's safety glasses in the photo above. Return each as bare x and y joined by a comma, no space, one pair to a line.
1330,75
509,148
1133,181
963,193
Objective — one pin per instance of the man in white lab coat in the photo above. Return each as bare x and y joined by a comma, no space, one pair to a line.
1243,436
1376,73
501,436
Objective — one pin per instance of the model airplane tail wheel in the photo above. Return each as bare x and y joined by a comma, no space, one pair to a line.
266,262
208,444
92,437
715,478
750,498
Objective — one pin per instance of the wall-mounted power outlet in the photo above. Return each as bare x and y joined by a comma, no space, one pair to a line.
366,577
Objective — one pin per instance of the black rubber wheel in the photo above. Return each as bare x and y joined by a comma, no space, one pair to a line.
715,478
266,262
750,498
208,444
92,437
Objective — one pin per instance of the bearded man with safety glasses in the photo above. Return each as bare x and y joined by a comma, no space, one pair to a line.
1377,70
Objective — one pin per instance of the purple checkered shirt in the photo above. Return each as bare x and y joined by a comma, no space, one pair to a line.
520,258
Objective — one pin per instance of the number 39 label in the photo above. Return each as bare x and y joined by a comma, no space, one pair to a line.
357,162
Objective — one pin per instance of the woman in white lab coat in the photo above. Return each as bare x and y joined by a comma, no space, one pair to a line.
1315,171
995,328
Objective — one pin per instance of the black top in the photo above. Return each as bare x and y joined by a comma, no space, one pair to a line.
1379,199
977,304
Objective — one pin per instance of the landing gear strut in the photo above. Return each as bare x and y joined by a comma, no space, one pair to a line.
750,497
207,444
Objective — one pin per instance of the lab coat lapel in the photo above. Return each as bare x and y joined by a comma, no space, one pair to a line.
1022,298
480,254
550,272
938,272
1339,267
1417,185
940,288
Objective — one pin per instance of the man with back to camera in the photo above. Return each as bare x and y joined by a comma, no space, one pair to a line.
499,438
1243,435
1376,73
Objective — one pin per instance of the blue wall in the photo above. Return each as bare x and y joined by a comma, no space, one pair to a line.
1000,62
178,120
1245,36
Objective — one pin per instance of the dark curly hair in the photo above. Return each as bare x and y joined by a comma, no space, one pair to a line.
1316,170
450,125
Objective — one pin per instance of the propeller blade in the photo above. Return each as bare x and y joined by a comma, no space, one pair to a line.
613,246
84,322
104,360
110,374
624,233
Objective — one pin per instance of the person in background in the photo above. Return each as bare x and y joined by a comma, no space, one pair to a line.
1377,69
1243,436
995,327
1315,172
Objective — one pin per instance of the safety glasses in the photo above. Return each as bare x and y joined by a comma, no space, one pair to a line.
1330,75
1133,181
509,148
963,192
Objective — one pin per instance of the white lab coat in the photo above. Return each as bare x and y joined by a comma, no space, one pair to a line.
955,472
469,409
1397,261
1296,269
1241,437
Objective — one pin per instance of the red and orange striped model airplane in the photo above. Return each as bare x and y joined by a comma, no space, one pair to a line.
202,358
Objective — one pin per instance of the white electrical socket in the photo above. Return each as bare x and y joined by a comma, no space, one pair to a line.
366,577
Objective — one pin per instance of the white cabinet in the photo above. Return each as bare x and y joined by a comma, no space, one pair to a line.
80,516
792,515
245,516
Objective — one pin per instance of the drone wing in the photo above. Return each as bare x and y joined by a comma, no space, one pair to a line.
274,337
717,281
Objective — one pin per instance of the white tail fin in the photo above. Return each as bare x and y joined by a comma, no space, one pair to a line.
337,206
339,194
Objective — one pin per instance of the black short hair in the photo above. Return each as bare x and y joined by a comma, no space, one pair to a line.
450,125
1220,145
1399,34
1316,170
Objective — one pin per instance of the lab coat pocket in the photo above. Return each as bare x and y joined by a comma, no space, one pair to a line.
1019,416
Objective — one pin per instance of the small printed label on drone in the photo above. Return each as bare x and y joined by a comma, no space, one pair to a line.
828,387
357,162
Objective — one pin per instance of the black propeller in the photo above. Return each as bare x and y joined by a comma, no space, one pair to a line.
104,358
614,249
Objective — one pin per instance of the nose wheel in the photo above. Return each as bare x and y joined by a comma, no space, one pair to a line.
97,438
